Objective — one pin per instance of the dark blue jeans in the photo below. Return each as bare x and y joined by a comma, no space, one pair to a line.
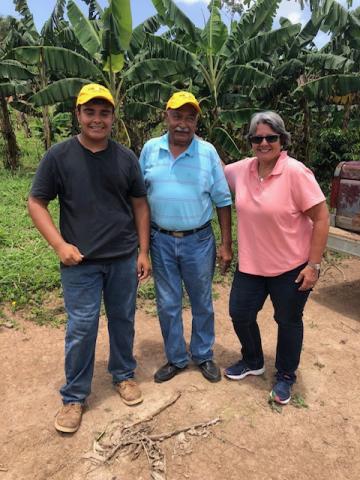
84,285
247,297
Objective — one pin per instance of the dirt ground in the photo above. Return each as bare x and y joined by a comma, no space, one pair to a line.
316,437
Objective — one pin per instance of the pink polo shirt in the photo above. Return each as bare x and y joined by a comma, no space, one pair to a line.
274,234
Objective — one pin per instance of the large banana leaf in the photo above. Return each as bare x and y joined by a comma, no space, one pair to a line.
234,101
94,8
265,43
215,33
291,68
151,25
59,91
159,47
84,29
336,16
330,86
14,70
140,111
259,18
171,16
246,75
157,93
12,89
59,60
54,20
160,68
116,35
236,117
306,36
222,138
21,6
327,61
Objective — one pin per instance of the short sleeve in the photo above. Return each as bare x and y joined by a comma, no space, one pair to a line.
230,176
219,192
45,183
306,190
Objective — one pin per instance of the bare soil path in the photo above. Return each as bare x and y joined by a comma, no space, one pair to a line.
251,442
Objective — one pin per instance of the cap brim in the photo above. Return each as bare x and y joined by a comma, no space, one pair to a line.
181,104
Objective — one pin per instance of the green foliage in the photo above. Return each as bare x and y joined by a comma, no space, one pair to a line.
333,146
28,267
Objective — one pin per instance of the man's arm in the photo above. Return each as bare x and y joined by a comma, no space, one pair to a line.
142,222
68,254
225,253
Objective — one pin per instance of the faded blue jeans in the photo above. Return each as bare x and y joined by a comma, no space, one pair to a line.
84,285
191,260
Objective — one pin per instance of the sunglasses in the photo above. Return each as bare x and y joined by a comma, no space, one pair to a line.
257,139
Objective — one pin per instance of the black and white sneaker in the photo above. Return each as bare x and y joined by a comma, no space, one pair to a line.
240,370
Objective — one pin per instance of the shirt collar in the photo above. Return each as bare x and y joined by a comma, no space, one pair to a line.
279,165
190,151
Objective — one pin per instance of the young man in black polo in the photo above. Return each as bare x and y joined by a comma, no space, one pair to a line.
102,244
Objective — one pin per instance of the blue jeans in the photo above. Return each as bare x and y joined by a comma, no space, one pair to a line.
191,260
247,297
83,286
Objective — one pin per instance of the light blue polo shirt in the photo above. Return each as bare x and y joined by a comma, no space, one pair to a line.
182,191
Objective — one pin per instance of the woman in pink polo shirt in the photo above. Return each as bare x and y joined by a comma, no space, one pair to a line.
282,231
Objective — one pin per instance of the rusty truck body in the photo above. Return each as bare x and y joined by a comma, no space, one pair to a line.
344,235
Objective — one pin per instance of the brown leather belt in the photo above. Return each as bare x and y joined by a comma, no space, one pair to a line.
178,233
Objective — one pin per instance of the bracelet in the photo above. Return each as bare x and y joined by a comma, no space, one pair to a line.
314,266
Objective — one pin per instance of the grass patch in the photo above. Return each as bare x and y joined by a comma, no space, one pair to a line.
298,401
28,267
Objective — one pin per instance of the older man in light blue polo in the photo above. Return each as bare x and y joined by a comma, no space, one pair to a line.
184,180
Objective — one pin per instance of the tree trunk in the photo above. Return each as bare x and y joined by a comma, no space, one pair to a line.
346,118
12,151
25,124
47,128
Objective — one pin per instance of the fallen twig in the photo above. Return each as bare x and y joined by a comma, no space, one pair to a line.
136,437
164,436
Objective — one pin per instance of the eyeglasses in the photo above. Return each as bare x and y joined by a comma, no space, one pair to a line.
257,139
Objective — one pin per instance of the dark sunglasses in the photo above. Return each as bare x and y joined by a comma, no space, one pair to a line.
257,139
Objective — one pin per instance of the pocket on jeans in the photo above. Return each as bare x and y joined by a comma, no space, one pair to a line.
205,234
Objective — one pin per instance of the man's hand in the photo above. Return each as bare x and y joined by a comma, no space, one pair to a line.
307,278
69,254
224,255
143,266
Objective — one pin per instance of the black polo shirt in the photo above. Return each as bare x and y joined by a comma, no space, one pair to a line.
94,191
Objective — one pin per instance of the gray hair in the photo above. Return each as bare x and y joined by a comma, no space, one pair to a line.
274,121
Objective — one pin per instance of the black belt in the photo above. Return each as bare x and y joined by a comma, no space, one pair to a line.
180,234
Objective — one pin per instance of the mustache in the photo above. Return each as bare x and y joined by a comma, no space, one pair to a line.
183,130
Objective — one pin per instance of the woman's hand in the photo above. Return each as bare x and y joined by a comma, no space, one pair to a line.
307,278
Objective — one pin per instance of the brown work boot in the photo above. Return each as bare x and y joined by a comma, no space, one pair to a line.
129,392
68,418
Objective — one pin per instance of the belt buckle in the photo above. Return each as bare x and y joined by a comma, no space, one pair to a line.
178,234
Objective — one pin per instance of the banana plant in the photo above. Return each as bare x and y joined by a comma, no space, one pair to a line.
334,73
14,80
221,67
107,44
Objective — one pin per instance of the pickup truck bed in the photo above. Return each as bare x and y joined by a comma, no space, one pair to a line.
344,241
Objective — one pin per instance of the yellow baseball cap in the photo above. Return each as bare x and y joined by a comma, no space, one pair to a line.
178,99
94,90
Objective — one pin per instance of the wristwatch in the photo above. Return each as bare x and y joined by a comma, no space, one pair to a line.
314,266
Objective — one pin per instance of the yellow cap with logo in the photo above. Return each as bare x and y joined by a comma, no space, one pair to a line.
94,90
178,99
